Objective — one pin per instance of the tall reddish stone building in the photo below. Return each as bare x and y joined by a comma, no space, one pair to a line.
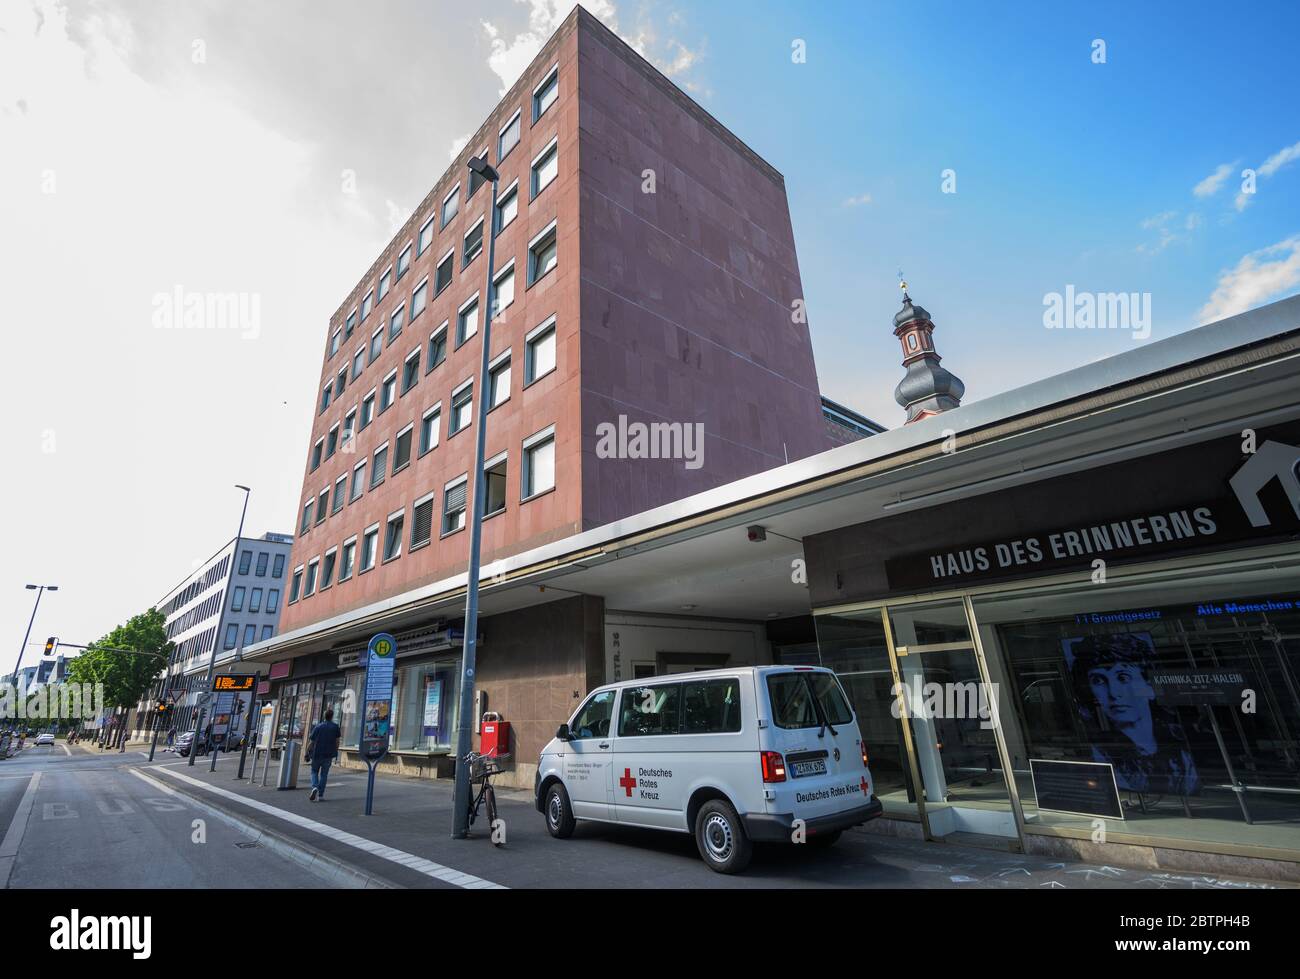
648,305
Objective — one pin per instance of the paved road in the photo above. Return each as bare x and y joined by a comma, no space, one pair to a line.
91,821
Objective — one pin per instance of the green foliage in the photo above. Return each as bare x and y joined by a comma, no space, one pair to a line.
126,676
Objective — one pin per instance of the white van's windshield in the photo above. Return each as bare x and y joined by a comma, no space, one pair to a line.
796,696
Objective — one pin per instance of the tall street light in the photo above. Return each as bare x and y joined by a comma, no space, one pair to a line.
212,660
40,590
465,731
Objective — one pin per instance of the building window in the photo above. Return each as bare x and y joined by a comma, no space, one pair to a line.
539,352
411,370
473,243
306,516
402,448
237,599
277,570
380,469
245,561
267,632
262,560
232,636
450,205
507,208
367,305
295,585
422,521
327,569
349,559
429,429
351,324
358,362
316,451
369,548
442,274
453,506
539,464
376,345
462,408
334,342
499,382
322,505
255,600
309,586
358,482
250,634
385,282
426,237
467,321
273,600
340,382
332,441
395,320
404,261
437,348
543,254
393,536
340,493
545,94
503,289
545,168
388,392
476,180
494,485
419,299
349,426
368,410
509,138
325,397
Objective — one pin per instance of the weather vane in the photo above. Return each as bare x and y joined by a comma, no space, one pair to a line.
902,283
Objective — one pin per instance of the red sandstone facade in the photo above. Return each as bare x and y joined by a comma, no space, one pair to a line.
673,306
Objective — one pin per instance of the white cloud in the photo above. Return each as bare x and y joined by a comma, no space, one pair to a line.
1260,276
1159,220
1241,201
510,57
1211,184
1279,159
457,145
1193,221
858,201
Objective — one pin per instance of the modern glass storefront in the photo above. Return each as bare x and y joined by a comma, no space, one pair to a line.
1161,706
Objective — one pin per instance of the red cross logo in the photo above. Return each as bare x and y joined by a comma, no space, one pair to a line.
627,781
865,787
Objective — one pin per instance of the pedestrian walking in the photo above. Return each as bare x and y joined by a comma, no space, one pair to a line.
322,747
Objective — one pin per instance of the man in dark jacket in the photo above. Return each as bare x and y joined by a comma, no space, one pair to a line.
322,746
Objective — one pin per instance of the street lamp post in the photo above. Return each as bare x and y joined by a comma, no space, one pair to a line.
40,590
166,696
212,660
465,731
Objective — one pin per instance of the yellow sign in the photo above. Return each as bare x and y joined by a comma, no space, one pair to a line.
238,683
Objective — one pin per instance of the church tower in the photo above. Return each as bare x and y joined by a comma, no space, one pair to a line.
928,389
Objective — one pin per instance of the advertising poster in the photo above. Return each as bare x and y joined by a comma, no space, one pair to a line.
432,705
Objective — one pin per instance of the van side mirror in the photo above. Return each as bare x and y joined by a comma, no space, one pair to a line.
563,733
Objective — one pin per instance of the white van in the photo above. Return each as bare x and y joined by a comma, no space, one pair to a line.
760,753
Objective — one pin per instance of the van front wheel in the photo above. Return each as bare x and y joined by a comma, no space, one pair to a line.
721,837
559,814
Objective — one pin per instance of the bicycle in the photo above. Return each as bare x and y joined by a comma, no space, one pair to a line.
481,770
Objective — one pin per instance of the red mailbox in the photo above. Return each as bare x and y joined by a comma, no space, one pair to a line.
494,736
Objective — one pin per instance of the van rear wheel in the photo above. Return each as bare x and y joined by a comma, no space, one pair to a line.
559,814
721,837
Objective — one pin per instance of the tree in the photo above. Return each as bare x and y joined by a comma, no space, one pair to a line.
126,676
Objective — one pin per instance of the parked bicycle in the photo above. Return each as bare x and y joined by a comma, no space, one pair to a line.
481,769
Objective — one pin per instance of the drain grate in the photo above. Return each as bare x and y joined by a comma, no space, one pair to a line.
248,845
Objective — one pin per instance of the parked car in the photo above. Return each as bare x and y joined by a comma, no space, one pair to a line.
45,738
185,741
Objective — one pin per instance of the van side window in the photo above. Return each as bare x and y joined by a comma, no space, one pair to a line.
711,706
593,719
647,711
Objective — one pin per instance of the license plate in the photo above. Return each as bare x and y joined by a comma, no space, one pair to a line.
801,768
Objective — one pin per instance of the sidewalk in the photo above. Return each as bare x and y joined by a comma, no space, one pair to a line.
407,843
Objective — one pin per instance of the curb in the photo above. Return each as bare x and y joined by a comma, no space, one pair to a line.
323,864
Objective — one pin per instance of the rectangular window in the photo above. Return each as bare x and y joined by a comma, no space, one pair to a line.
453,506
376,345
267,632
545,168
393,536
648,711
543,254
340,493
237,599
325,397
349,425
429,429
404,261
476,180
262,559
462,409
232,636
419,299
503,290
322,505
380,469
494,484
273,600
399,314
509,138
369,548
411,370
422,521
255,600
277,570
334,342
295,585
539,352
368,410
358,362
545,94
349,559
499,382
367,305
402,448
437,348
385,282
245,561
467,321
327,569
358,482
351,324
388,392
711,706
332,441
426,237
539,464
450,205
473,243
306,516
309,586
250,635
507,208
442,274
316,451
340,382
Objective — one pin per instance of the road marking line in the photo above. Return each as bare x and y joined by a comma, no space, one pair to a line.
14,837
66,750
401,857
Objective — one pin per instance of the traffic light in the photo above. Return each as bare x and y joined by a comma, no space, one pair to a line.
51,644
239,706
164,707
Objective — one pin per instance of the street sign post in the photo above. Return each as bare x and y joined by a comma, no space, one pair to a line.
377,707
